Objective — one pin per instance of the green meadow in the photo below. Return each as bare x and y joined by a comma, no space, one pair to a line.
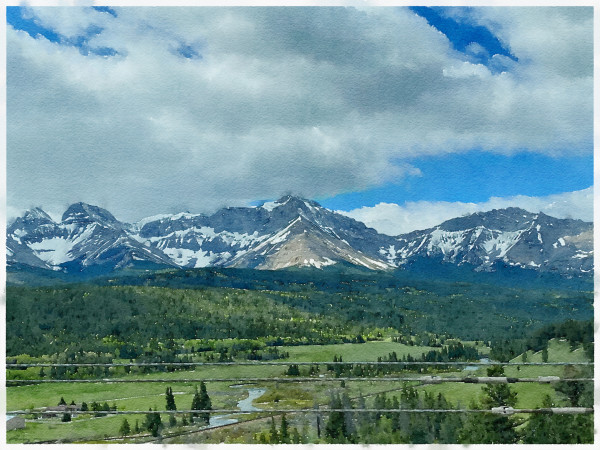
277,395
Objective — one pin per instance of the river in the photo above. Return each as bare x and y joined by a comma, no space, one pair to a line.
244,405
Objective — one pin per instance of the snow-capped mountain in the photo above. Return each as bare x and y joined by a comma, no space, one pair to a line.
294,232
512,235
86,237
289,232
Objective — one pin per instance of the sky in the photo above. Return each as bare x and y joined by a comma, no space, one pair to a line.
400,117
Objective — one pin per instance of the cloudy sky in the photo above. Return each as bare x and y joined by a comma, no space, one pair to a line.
402,117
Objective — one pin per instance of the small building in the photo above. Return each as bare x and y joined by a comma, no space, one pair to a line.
58,411
14,423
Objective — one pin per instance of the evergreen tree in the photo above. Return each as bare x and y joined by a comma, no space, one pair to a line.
348,417
557,428
491,428
379,404
449,428
84,406
62,402
319,426
172,420
137,429
66,417
284,434
273,434
296,439
335,428
579,393
262,438
42,373
153,423
362,419
293,370
170,400
395,416
195,404
498,394
125,429
539,427
184,420
204,404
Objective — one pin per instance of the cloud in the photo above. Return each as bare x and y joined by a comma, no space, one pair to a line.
316,101
393,219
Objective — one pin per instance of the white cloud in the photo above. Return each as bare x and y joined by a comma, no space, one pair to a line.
312,101
393,219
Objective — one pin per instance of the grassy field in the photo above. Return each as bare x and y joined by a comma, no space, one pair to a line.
529,395
48,394
278,395
142,396
369,351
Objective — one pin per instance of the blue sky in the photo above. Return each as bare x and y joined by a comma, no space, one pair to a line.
474,40
475,177
147,111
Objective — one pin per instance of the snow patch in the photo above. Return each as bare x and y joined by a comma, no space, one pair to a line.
184,257
501,242
54,251
270,206
18,234
581,254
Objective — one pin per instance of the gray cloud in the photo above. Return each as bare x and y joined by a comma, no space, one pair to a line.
316,101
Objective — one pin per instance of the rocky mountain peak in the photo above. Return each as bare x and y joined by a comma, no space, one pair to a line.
31,220
37,214
508,219
294,231
83,213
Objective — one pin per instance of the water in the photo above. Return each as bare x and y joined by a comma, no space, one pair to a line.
244,405
483,360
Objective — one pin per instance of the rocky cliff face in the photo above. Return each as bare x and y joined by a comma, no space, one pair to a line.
294,232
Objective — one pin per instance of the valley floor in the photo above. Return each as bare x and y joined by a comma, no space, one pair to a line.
267,395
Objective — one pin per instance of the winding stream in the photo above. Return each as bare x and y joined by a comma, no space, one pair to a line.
244,405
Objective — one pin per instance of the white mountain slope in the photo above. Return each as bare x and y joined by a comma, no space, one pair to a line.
86,237
294,232
512,236
302,243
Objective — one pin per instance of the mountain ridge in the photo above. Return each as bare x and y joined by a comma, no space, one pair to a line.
294,232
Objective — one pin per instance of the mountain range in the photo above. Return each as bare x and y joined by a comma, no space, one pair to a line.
293,232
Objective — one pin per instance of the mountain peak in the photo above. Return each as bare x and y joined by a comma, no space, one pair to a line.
32,219
292,198
83,212
506,219
37,214
290,201
294,231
